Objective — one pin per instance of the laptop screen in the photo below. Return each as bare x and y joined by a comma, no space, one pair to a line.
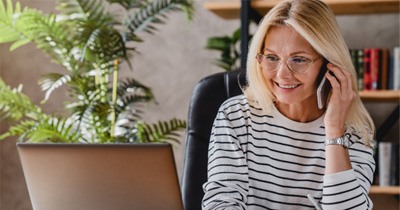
100,176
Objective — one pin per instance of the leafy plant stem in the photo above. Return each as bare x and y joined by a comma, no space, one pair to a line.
114,95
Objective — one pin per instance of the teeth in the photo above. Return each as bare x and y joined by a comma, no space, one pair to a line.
287,86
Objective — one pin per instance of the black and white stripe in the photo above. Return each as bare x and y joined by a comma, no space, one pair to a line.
259,161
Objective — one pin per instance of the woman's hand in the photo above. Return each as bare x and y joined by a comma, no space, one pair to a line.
340,102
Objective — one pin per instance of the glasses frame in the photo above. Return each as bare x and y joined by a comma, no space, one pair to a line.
285,61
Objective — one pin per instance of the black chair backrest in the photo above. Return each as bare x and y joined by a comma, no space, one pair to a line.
208,95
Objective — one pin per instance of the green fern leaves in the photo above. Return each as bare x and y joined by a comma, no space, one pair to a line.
163,131
14,105
7,21
89,40
154,12
29,122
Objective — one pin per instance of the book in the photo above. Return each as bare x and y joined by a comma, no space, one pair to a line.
367,84
394,165
388,164
396,68
383,70
374,68
357,57
385,149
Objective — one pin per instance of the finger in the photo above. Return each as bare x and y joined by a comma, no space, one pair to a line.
334,82
349,79
343,77
338,73
350,91
348,86
345,80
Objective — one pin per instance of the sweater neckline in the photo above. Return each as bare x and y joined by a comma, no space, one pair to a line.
315,123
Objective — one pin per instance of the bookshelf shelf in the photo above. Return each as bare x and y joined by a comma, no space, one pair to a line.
380,95
390,190
230,9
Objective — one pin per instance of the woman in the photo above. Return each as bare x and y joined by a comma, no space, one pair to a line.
273,148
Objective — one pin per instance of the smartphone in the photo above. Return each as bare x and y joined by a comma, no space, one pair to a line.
324,87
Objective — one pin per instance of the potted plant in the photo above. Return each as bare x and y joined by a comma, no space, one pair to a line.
90,42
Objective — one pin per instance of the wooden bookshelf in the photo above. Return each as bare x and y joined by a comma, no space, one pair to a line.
380,95
230,9
389,190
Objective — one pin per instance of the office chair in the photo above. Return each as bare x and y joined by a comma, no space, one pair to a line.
209,93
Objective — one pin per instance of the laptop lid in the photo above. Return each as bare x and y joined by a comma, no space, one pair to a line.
100,176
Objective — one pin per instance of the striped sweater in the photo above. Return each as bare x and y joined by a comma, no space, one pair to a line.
259,161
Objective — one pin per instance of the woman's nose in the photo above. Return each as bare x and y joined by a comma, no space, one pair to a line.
284,71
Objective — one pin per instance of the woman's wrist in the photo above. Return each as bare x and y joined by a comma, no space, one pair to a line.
334,133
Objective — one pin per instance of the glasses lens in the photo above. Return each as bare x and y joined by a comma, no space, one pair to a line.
298,64
272,64
268,62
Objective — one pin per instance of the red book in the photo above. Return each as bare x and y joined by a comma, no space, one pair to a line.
367,69
374,63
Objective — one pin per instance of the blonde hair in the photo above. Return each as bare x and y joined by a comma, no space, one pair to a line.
316,23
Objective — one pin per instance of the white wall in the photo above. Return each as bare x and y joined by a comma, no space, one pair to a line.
171,62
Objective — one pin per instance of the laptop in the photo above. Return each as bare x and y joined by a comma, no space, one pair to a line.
100,176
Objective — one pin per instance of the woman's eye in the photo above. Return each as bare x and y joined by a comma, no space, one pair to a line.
272,58
299,60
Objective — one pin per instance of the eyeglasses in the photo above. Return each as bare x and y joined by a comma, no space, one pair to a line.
297,64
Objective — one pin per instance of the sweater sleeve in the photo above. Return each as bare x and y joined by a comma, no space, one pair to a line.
349,189
227,184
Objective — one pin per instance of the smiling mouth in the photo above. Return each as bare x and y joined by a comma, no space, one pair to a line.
287,86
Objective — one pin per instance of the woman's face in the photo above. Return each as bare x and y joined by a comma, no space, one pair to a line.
283,43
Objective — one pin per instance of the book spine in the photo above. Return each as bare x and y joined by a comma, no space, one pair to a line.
385,149
384,69
396,68
374,67
391,72
394,165
360,69
367,69
354,60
